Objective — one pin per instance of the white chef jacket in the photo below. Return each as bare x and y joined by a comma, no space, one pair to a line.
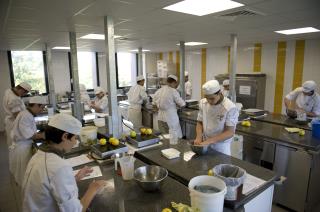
226,93
49,185
11,104
188,89
84,97
215,118
102,103
167,99
308,103
24,127
136,96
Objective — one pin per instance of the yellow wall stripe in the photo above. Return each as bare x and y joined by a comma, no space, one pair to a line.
257,57
203,67
170,57
160,56
178,64
281,61
298,64
229,59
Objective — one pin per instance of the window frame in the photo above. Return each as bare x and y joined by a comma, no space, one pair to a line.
117,77
97,71
45,70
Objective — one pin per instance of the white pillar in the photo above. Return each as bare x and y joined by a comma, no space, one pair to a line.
114,121
52,95
77,110
233,65
140,68
182,69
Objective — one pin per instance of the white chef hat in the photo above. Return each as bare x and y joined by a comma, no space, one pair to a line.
309,86
226,82
82,87
98,90
139,78
41,100
173,77
211,87
186,74
66,122
26,86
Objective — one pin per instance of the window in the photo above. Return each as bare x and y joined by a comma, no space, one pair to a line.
87,69
28,66
126,64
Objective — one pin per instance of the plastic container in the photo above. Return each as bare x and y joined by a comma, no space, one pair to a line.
233,176
173,140
88,135
207,202
316,129
127,166
99,122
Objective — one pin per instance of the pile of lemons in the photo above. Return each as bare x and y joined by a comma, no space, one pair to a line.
113,141
246,123
143,131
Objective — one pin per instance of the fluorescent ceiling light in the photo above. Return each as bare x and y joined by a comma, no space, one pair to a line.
61,47
203,7
97,36
298,31
144,50
193,43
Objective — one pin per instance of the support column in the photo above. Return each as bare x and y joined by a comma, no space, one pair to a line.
140,68
114,121
182,69
77,110
233,65
52,95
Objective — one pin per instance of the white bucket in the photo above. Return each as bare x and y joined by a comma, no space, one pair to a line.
88,134
207,202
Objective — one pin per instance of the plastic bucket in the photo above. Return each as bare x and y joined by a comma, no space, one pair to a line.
207,202
127,166
316,129
88,135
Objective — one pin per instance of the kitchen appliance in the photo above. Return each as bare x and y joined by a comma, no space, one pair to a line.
143,140
107,150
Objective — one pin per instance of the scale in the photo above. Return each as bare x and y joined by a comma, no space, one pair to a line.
107,150
143,140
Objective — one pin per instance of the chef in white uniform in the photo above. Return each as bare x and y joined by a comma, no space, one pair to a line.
84,97
23,132
187,86
217,119
136,96
13,104
167,99
49,183
100,103
226,88
304,99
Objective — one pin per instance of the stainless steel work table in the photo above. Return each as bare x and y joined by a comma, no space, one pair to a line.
183,171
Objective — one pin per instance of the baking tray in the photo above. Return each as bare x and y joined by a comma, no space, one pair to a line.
143,140
104,151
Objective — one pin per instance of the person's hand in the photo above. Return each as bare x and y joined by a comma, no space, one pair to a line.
96,186
205,143
85,171
197,141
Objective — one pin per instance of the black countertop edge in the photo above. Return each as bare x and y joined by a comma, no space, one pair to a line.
235,205
280,142
281,123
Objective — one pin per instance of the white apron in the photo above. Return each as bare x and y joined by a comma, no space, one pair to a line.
135,116
8,126
19,155
213,125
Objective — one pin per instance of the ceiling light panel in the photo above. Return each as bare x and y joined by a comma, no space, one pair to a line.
97,36
298,31
144,50
192,43
203,7
61,47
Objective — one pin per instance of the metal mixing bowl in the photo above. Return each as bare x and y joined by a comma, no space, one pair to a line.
199,150
150,178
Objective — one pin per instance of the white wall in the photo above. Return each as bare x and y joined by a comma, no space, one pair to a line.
4,83
61,73
217,62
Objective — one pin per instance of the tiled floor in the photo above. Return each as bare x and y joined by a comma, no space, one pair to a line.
7,198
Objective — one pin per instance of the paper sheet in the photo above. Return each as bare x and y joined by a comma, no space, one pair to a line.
96,173
188,155
79,160
251,183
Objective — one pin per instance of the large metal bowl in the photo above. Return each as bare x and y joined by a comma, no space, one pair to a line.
150,178
199,150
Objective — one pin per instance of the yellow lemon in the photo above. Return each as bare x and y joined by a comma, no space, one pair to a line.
143,130
133,134
248,124
210,172
115,142
148,131
111,139
103,141
243,123
166,210
302,132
